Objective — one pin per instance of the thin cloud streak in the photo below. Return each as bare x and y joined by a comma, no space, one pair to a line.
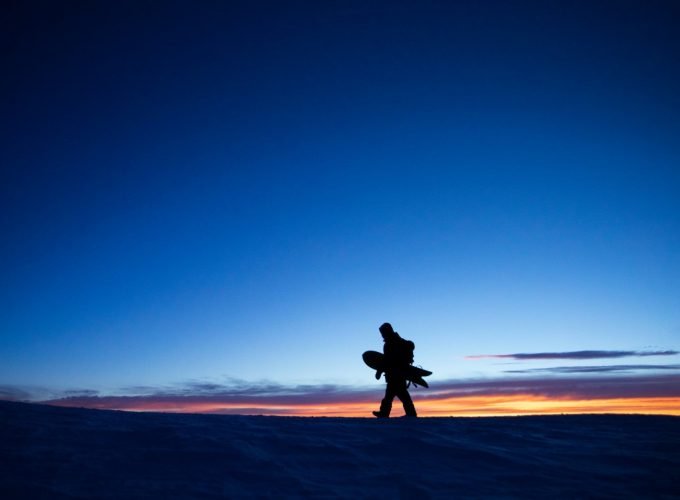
320,400
574,355
596,369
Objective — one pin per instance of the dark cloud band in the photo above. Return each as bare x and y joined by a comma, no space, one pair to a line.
253,398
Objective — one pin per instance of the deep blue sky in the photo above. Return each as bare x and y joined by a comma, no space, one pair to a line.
201,190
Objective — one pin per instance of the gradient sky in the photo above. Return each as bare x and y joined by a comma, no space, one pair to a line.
242,192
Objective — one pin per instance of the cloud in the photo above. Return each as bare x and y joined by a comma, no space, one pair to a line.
28,393
575,355
80,393
592,387
232,397
13,393
596,369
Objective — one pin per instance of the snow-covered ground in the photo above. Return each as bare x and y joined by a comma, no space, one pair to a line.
52,452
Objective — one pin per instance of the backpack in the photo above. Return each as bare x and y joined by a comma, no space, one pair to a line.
406,348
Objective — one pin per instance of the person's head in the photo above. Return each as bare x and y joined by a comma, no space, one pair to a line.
386,330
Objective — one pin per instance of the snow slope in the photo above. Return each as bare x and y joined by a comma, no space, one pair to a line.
52,452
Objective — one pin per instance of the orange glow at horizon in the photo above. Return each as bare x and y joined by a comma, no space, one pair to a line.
467,406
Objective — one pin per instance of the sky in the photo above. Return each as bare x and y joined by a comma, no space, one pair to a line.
218,203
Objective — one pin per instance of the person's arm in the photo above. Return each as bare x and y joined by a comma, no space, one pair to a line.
388,351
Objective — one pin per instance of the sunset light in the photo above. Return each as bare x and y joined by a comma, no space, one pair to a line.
472,406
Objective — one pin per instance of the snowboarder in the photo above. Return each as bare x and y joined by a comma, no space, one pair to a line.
398,356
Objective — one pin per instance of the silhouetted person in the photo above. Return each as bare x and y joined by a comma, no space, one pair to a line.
398,356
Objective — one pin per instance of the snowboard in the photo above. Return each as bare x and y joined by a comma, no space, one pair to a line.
376,360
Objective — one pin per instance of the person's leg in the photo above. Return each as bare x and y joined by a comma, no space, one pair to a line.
406,400
386,403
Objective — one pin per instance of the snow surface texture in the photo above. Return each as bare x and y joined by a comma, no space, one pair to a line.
50,452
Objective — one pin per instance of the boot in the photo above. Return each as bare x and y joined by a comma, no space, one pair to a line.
385,408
